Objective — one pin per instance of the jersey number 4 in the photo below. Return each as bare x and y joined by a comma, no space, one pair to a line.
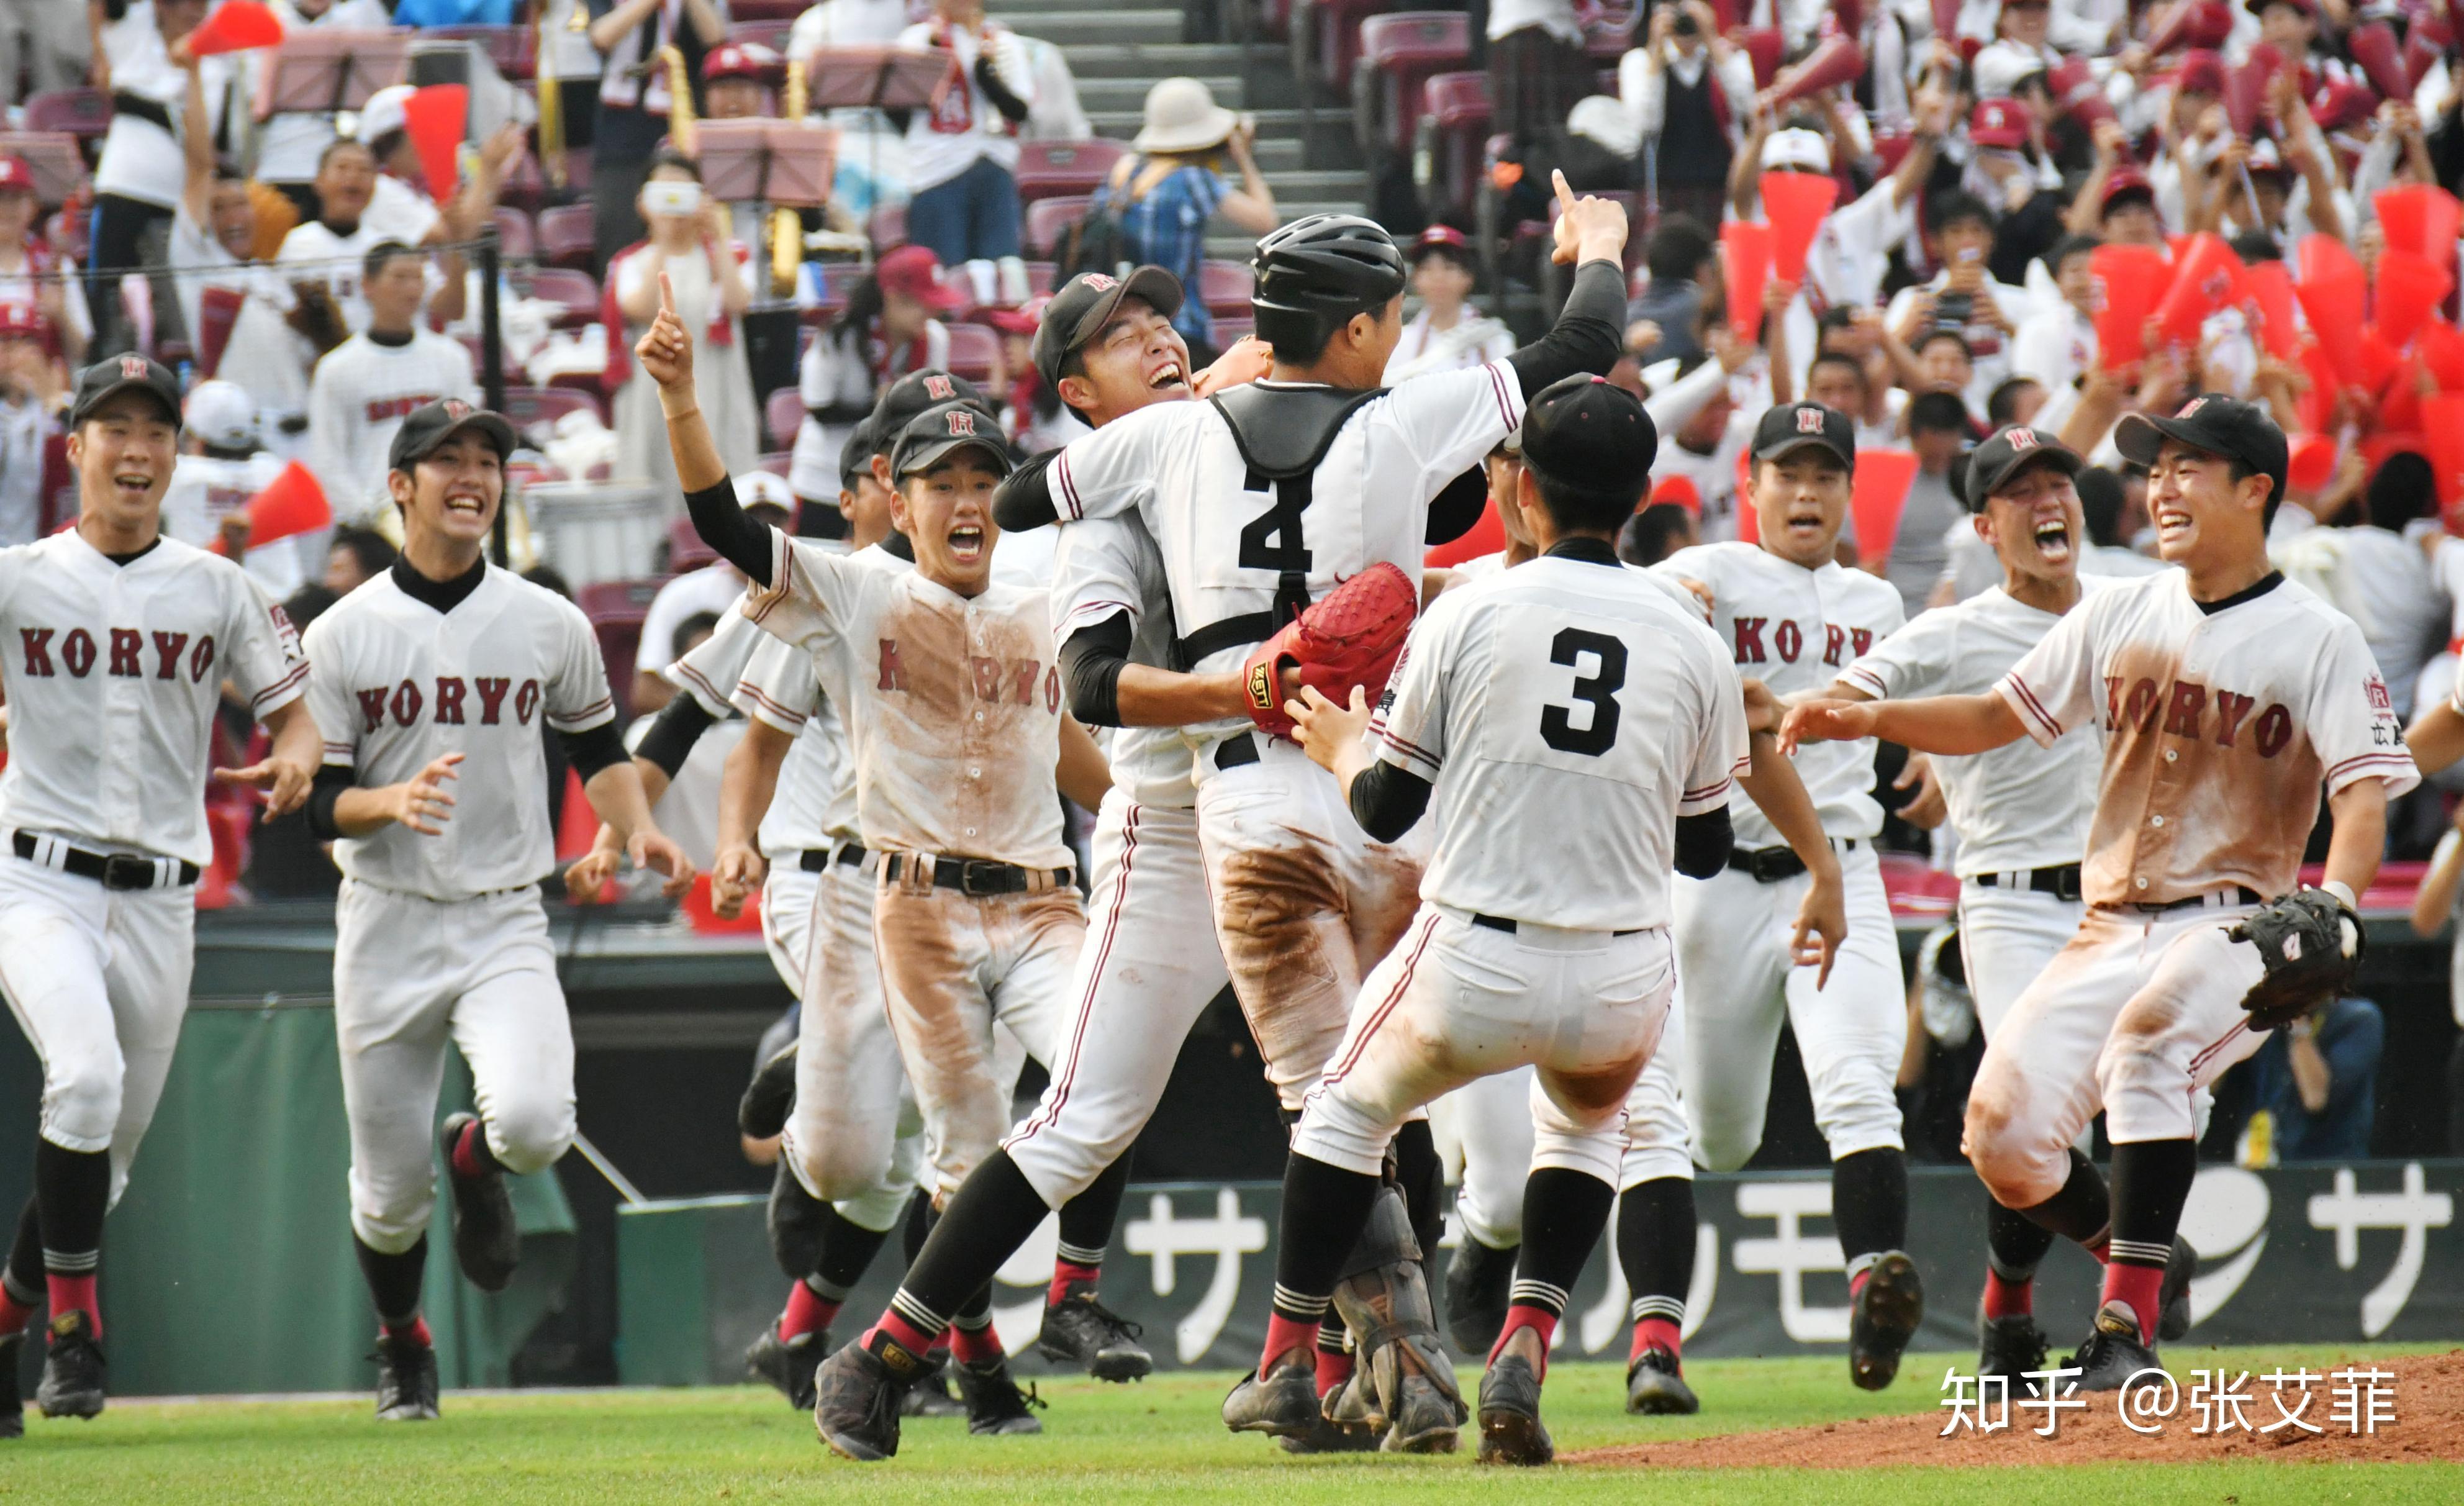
1596,691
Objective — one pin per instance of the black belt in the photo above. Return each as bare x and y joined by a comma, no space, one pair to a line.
974,875
1235,751
145,109
816,859
2062,881
1499,922
1772,865
1232,633
111,870
2242,895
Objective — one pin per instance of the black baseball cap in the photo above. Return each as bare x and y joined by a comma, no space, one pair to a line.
431,426
1086,304
1590,433
855,456
937,431
2217,423
104,379
910,395
1791,426
2014,448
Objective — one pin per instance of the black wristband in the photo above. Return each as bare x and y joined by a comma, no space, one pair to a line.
594,748
327,787
672,734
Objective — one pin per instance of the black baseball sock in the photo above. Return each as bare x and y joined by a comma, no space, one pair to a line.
21,1281
847,1251
394,1281
2015,1243
1086,1222
1654,1235
991,1213
918,1224
1563,1213
2151,1180
2083,1210
1324,1208
1869,1205
71,1192
1420,1173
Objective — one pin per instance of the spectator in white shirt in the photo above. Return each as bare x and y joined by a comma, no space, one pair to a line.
1964,296
2056,344
214,237
290,142
1448,334
138,176
633,101
2112,518
709,274
962,149
2406,615
222,465
1691,93
688,808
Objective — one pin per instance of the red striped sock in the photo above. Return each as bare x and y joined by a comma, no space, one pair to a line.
468,1153
974,1346
1284,1335
1067,1275
416,1330
1539,1319
1333,1366
74,1294
808,1312
14,1315
899,1331
2006,1297
2136,1286
1655,1333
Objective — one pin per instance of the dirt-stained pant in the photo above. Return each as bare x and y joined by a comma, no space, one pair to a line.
952,965
2137,1015
1305,903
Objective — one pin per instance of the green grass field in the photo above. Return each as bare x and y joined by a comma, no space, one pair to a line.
1153,1443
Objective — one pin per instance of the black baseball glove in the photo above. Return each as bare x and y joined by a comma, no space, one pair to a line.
2311,945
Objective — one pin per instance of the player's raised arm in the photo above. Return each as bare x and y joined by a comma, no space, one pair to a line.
1591,329
665,351
1931,724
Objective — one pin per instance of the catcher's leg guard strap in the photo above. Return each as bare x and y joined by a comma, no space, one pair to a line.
1384,1299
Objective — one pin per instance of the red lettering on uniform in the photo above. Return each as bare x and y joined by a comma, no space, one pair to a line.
2274,729
167,654
372,706
2112,702
1788,639
988,676
2230,710
526,701
450,691
386,407
1834,638
200,658
1026,682
38,650
2138,711
1750,639
77,651
1859,639
407,701
127,653
2376,688
893,674
492,696
1053,689
2182,712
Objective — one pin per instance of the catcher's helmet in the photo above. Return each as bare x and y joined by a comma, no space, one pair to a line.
1317,271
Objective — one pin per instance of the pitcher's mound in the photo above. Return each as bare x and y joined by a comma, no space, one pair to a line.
2428,1427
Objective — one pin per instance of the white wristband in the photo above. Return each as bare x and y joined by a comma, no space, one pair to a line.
2343,893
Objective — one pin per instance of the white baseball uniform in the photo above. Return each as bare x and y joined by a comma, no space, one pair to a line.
361,392
1149,968
956,740
2021,812
1567,715
2220,723
440,939
113,675
1304,901
1795,630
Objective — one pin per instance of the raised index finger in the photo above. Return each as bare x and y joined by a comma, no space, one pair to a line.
667,293
1565,191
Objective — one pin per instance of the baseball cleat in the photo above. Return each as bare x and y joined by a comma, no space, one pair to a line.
1510,1429
788,1363
1478,1282
72,1370
1344,1423
2173,1296
1426,1419
761,1114
406,1380
1281,1401
2011,1347
855,1406
996,1405
931,1397
486,1243
1655,1387
2113,1352
1081,1331
12,1403
1882,1320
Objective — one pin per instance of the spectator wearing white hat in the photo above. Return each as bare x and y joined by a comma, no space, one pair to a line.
712,588
1164,196
367,386
222,464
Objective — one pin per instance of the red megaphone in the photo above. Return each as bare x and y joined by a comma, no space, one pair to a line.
2426,41
2129,279
234,27
2076,93
2269,287
1876,494
1835,61
1746,263
2442,423
2246,89
2374,46
2410,287
2441,348
2190,23
2330,284
2206,278
435,118
1795,203
2310,461
290,504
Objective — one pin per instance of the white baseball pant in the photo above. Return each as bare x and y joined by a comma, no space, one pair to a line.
99,981
853,1137
1148,970
1455,1000
2138,1014
1737,982
954,966
414,977
1305,903
1491,1120
1658,1140
2008,936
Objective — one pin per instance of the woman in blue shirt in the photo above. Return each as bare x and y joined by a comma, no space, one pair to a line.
1165,195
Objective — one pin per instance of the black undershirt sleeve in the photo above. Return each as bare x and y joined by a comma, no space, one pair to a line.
723,525
1704,843
1588,333
1024,499
1092,661
1013,109
672,737
331,780
1453,511
1387,799
595,749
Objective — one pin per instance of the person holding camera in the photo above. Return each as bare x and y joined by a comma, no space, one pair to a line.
1964,297
712,274
1690,91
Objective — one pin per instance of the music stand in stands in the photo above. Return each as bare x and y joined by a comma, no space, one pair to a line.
323,72
784,163
53,155
872,79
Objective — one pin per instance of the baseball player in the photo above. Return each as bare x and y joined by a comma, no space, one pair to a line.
120,642
1578,708
362,387
2227,696
1795,618
957,750
446,667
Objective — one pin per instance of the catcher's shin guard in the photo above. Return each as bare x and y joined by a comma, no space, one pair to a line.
1383,1297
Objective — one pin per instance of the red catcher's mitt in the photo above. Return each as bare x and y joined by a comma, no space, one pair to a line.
1352,636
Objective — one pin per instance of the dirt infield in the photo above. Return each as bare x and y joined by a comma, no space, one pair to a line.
2427,1428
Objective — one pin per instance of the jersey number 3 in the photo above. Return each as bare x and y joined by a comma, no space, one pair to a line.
1596,691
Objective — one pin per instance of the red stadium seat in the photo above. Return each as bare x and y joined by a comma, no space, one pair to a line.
1454,119
784,414
767,10
838,281
567,237
1404,50
616,610
975,352
59,167
576,291
1225,288
514,235
1056,169
686,551
75,112
526,186
1046,219
1336,34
